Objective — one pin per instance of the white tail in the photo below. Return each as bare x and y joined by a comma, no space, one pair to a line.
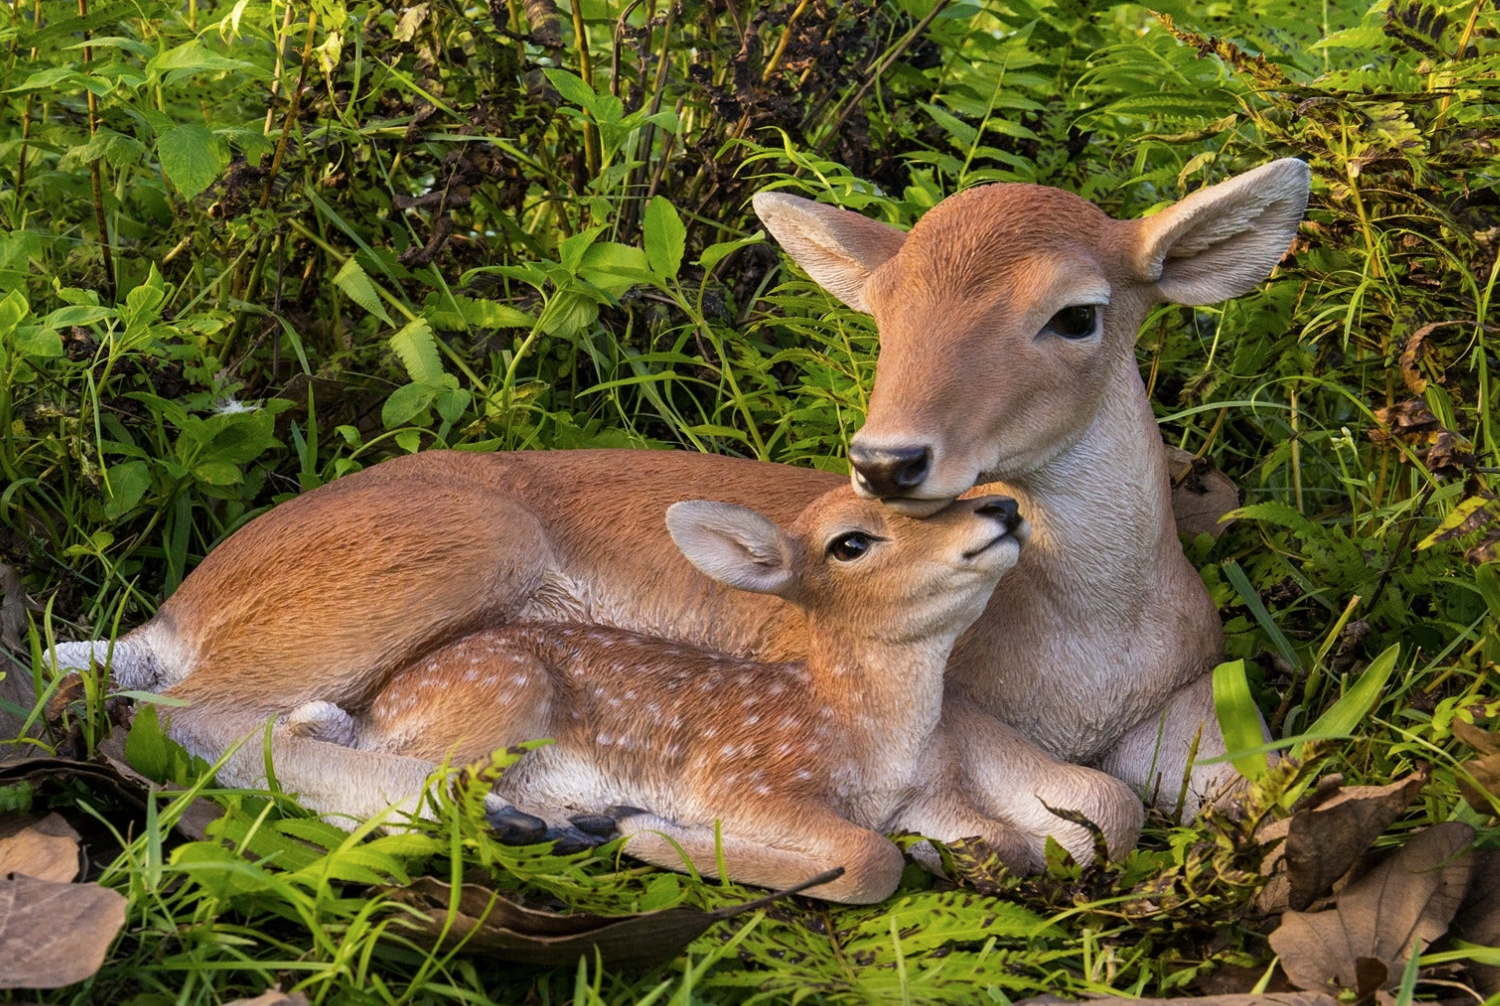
804,765
1007,318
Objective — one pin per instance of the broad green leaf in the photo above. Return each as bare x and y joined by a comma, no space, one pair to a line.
572,88
451,403
1239,720
58,78
128,482
615,268
191,157
666,237
78,314
39,342
193,57
12,309
1352,708
355,282
218,473
405,403
416,348
1487,578
714,253
456,312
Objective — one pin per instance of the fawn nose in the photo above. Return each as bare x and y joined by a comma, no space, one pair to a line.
1003,509
890,471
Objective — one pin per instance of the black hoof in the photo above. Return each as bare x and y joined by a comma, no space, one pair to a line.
513,827
567,841
620,810
601,825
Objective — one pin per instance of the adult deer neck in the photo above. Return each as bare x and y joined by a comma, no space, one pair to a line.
1103,534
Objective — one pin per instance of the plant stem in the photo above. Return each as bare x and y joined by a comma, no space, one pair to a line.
96,172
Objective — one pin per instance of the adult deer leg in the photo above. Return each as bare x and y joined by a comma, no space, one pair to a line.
1153,757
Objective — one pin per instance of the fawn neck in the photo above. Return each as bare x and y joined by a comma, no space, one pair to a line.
887,692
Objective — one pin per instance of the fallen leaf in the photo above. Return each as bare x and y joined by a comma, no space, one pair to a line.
1325,840
54,934
1361,944
487,923
1201,494
1411,358
1478,918
114,777
45,849
1479,779
12,608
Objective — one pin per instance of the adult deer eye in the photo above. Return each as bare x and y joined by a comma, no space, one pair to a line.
848,547
1076,322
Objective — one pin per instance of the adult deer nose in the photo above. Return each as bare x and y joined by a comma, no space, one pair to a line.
1003,509
890,471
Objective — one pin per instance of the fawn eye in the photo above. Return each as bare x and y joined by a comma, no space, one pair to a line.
1076,322
848,547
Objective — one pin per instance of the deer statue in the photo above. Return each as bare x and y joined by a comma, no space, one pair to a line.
803,765
1007,319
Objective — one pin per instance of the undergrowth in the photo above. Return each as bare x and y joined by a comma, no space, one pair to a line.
251,247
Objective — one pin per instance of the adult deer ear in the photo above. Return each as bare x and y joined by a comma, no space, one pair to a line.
733,545
1221,241
838,248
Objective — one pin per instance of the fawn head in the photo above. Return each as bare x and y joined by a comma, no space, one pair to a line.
1006,313
852,562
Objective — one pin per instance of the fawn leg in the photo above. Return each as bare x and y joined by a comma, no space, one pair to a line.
1010,778
329,778
802,841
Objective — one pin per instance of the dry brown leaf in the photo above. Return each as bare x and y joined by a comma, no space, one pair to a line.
12,608
1480,778
1201,494
1362,943
45,849
1478,918
1325,840
272,997
487,923
53,934
112,775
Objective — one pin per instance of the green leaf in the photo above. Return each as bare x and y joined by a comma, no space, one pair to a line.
128,482
666,237
191,157
416,348
1353,707
714,253
455,312
12,309
405,403
572,88
1239,720
355,282
192,57
38,342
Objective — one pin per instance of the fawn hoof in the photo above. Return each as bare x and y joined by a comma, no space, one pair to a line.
601,825
511,826
618,811
568,840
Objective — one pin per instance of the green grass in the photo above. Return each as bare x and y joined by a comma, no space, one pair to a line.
477,238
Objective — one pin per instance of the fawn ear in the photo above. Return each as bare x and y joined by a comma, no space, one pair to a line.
1221,241
733,545
838,248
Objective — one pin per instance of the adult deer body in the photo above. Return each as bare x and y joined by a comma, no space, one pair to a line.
803,765
1007,317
